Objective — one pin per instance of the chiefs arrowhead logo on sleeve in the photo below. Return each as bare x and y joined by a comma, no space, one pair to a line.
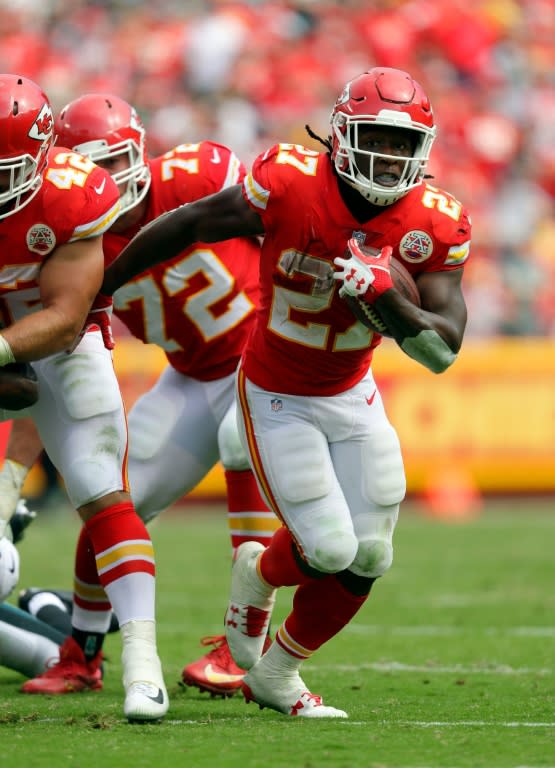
43,125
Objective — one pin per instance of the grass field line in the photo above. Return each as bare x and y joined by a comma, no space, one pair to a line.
439,630
456,669
347,722
412,630
471,599
468,724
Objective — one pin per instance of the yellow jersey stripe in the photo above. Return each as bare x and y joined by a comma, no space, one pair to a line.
97,227
458,254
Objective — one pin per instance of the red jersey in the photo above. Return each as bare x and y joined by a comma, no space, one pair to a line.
77,200
199,306
306,340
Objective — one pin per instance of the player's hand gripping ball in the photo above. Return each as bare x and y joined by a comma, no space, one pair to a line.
366,275
18,386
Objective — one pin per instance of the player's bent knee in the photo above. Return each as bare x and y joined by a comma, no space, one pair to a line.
373,558
333,552
300,464
385,484
232,453
92,477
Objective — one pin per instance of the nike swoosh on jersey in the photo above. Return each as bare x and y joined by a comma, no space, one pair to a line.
370,399
215,156
100,189
220,677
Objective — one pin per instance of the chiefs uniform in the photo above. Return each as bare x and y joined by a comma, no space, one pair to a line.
300,305
77,200
313,419
198,307
79,391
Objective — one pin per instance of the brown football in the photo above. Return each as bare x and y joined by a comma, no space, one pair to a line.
18,386
369,315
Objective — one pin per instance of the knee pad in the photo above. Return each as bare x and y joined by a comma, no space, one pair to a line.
299,462
232,453
384,481
333,551
91,477
151,421
373,558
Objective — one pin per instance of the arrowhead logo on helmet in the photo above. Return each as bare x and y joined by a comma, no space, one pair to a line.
43,125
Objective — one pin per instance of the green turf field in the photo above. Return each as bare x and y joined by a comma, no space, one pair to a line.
450,663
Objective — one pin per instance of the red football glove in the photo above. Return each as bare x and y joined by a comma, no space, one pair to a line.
98,319
365,275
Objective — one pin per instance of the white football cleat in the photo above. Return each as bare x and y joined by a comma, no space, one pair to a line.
250,607
146,697
287,694
145,702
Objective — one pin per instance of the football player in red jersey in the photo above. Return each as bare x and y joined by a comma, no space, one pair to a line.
311,417
54,207
199,308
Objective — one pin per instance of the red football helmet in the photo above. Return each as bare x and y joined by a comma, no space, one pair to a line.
103,126
26,135
382,97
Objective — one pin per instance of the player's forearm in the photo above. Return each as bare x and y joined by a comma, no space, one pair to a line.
430,350
159,241
39,335
430,339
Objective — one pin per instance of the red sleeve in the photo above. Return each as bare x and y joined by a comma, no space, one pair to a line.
82,199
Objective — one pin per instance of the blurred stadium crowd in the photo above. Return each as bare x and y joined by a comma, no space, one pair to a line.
255,72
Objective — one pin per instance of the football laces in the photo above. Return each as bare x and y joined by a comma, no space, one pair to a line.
373,316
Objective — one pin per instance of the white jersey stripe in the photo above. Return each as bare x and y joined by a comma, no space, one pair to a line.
233,171
256,193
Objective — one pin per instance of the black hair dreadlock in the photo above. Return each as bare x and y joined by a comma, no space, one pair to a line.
325,142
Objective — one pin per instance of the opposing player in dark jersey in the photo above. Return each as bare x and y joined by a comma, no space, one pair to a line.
311,416
199,308
55,205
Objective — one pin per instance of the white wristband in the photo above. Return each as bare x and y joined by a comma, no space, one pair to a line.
6,354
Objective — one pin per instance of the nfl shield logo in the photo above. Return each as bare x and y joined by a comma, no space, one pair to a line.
276,404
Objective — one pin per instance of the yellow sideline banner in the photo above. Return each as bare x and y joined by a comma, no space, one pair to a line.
492,415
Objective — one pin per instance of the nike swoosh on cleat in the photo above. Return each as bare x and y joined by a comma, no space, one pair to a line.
220,677
158,699
100,189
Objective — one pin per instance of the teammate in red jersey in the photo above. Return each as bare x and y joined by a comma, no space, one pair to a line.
199,308
310,414
55,205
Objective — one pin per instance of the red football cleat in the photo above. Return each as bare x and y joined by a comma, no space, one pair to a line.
71,674
216,673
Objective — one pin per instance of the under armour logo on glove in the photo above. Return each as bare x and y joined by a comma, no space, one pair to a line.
366,273
359,282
